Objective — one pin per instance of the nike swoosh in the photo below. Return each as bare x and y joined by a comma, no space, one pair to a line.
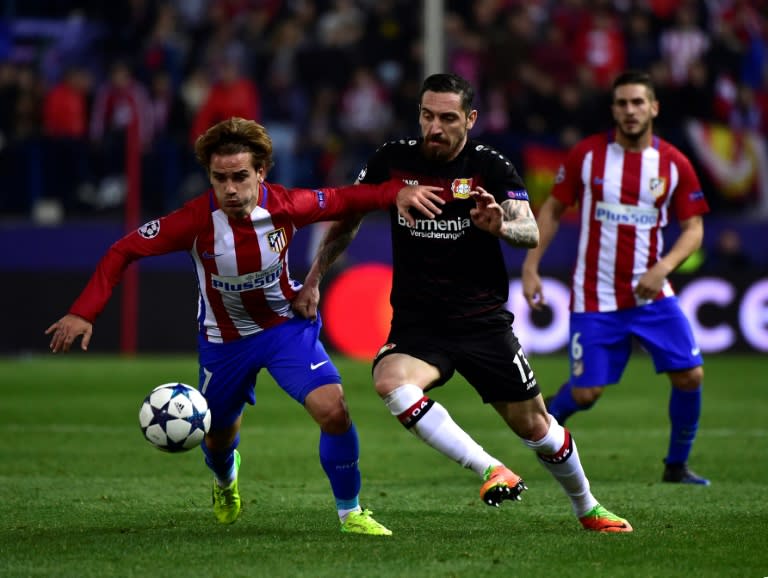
314,366
695,351
207,255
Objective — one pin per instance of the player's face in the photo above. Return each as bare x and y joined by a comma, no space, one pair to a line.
634,110
236,183
444,125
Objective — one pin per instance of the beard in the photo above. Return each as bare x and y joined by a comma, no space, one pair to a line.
639,132
444,151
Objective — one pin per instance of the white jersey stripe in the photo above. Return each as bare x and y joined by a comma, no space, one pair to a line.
273,293
586,210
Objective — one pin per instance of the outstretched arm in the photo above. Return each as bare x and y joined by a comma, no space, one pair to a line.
340,234
512,221
424,199
333,203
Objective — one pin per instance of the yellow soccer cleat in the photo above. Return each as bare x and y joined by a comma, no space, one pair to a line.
226,501
363,523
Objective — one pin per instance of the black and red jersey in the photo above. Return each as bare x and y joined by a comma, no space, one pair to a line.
447,272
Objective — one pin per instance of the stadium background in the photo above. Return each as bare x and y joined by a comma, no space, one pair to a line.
331,80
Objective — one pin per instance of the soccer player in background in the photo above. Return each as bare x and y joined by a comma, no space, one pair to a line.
238,234
449,291
626,183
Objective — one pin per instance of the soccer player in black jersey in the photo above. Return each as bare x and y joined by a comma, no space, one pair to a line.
449,291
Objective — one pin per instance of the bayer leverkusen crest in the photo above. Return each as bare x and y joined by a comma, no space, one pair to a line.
460,188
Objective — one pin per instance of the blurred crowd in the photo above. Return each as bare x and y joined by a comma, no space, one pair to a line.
331,79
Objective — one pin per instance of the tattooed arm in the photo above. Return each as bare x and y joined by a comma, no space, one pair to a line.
334,243
512,221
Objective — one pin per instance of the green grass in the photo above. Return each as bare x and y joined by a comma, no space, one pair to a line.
84,495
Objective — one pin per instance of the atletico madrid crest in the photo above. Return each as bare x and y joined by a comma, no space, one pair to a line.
277,240
658,186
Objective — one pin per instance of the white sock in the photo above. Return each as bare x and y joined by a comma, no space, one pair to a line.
430,421
344,512
557,452
230,478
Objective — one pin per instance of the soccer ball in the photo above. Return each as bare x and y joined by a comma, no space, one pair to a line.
174,417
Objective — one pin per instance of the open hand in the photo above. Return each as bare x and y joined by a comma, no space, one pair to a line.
487,213
66,330
423,198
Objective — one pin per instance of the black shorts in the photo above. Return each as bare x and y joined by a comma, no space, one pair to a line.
493,362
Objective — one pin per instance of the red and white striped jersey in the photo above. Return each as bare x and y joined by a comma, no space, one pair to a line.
241,264
625,198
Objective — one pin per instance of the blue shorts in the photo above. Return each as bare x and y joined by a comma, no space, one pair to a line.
601,343
291,352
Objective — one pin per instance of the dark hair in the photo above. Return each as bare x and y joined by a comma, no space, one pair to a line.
448,82
635,77
232,136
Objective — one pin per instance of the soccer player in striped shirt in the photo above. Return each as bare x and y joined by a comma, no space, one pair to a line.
627,183
238,234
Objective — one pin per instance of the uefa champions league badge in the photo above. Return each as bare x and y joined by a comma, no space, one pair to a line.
560,176
150,230
518,195
320,198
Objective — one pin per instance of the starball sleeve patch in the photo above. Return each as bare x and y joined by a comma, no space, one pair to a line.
150,230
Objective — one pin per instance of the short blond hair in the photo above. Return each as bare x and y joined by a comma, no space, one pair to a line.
232,136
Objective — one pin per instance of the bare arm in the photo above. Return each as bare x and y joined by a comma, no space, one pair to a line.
424,199
518,226
689,241
512,221
549,222
337,238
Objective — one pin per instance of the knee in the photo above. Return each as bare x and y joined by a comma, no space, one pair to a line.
222,439
688,380
334,419
384,387
533,427
328,408
586,396
528,419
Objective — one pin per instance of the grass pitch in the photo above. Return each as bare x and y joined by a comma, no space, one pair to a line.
84,495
